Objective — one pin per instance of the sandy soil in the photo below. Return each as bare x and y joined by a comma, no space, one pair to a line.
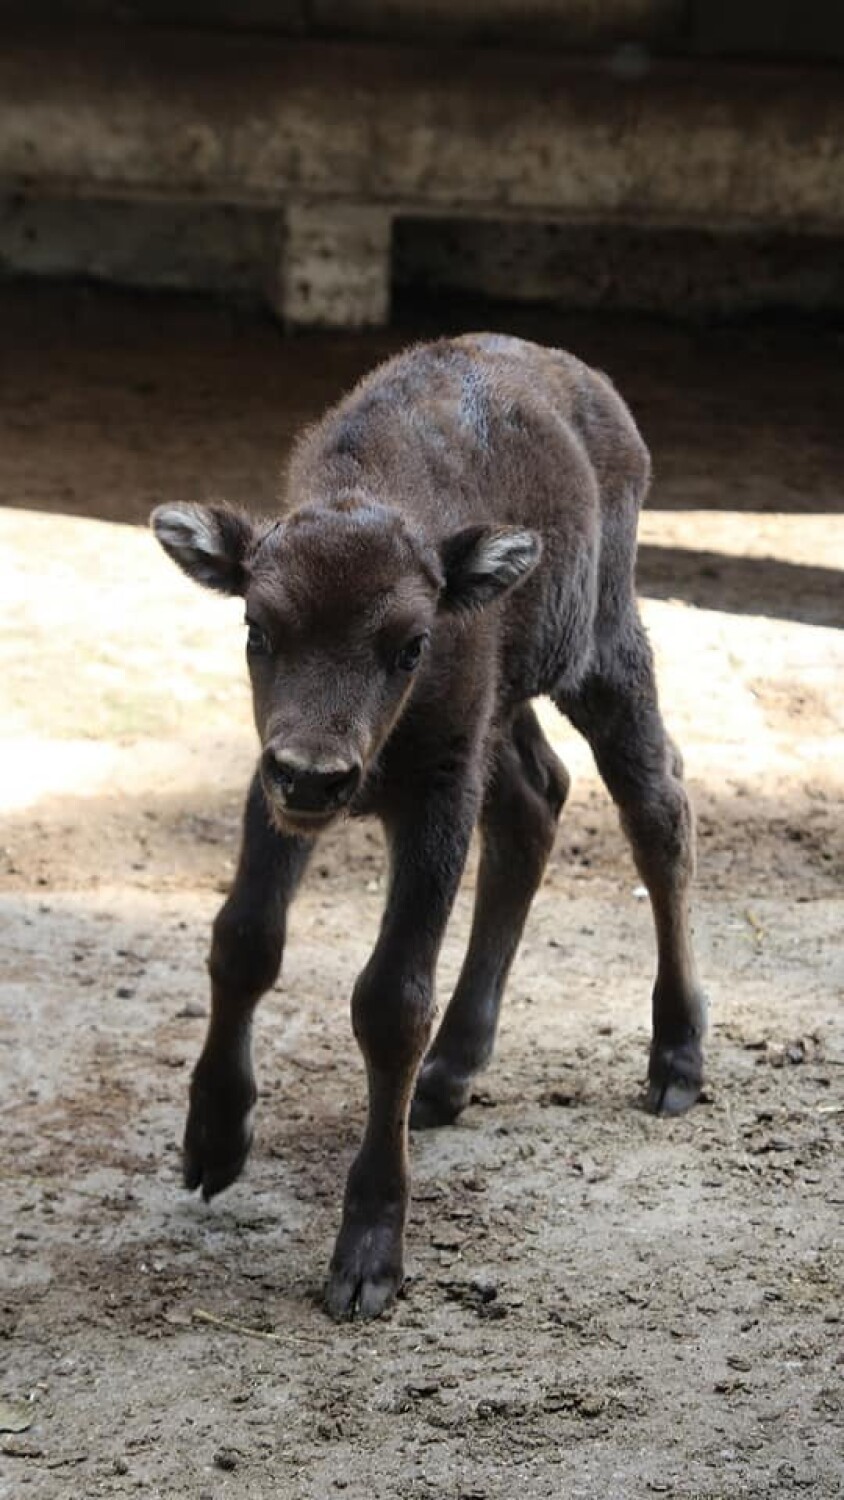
600,1304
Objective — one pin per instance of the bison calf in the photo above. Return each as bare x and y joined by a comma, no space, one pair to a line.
459,536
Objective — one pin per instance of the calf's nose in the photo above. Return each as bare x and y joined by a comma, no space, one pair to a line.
304,787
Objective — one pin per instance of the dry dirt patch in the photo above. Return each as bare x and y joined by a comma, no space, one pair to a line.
600,1303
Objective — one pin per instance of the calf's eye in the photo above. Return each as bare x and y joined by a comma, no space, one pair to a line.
408,659
257,642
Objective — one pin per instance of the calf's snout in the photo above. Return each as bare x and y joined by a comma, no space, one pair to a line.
307,786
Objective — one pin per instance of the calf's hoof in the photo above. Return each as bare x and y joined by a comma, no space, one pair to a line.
439,1098
218,1133
366,1272
675,1077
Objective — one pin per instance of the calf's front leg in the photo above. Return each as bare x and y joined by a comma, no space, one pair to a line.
392,1011
244,962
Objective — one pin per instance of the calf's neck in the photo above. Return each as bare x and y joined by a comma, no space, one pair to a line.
458,536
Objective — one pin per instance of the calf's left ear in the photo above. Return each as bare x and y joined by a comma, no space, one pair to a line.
482,562
208,542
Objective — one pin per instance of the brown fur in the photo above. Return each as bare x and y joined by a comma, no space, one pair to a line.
473,502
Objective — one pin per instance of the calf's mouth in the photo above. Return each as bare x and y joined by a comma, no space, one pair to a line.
303,823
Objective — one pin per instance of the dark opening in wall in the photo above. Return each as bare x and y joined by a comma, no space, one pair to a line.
678,273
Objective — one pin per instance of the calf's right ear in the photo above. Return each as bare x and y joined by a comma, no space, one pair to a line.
209,542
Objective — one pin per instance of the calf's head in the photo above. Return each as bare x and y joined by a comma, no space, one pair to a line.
341,606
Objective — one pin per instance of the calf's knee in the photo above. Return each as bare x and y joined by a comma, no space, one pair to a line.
245,954
392,1015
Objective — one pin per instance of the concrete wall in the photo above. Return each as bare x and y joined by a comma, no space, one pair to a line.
263,123
236,253
175,246
244,156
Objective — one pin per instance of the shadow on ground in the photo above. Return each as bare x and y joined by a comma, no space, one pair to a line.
742,585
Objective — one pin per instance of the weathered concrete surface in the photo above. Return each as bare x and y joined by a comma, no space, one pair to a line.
182,246
335,266
254,121
341,139
242,252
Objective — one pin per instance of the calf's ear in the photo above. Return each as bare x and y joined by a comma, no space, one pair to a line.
482,562
209,543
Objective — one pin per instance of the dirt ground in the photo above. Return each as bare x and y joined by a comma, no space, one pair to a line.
600,1304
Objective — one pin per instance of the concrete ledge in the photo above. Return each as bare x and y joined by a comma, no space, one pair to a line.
300,126
256,121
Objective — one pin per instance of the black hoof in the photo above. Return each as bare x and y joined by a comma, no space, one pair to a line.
366,1272
675,1078
210,1170
218,1134
439,1098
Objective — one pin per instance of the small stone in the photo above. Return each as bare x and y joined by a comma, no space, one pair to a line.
226,1459
120,1466
19,1448
446,1241
125,991
739,1362
16,1416
591,1405
474,1182
423,1388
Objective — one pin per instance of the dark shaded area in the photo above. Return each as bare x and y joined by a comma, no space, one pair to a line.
810,30
742,585
685,274
111,402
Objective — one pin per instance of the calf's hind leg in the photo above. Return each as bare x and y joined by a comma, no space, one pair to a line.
642,768
244,962
523,801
